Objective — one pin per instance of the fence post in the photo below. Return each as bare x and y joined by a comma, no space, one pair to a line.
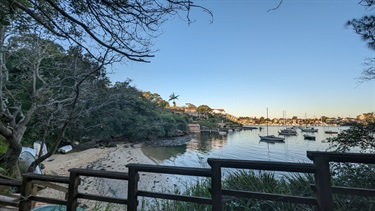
74,181
132,188
323,183
26,190
215,185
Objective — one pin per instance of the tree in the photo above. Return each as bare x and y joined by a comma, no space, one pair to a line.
191,106
365,27
39,76
173,98
204,110
115,28
357,137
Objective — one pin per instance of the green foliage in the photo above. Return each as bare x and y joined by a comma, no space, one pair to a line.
131,114
199,189
3,145
266,182
3,149
359,137
211,121
204,109
296,184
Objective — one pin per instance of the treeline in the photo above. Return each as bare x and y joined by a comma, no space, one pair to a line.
59,96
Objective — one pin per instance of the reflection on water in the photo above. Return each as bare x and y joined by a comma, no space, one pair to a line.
205,142
243,145
159,154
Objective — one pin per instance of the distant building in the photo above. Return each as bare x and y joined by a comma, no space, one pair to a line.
219,111
194,128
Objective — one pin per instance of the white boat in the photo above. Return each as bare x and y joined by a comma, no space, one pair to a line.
309,129
288,132
271,138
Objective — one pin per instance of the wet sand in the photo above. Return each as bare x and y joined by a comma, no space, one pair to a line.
106,159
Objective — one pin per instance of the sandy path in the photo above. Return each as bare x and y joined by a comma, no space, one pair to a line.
109,159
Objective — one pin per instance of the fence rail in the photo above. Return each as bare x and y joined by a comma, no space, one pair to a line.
320,169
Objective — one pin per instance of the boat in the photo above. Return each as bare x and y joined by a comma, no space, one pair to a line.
270,138
223,133
331,132
288,132
309,137
248,127
309,129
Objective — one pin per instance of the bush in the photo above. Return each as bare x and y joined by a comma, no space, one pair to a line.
3,145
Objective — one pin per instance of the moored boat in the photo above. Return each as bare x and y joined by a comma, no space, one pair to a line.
249,127
309,129
309,137
331,132
272,138
288,132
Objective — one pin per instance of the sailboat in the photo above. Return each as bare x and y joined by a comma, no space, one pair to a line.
271,138
287,131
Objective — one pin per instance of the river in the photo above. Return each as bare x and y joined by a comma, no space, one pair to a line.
243,144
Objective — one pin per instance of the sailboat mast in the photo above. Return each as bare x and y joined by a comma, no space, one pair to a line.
267,121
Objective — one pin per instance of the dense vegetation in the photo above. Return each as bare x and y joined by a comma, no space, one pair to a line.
52,75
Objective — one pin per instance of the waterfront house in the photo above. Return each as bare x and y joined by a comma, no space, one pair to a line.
194,128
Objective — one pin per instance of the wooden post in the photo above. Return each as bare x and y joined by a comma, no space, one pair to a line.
132,188
26,191
323,184
216,185
74,181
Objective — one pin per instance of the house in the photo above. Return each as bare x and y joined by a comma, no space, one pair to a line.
194,128
219,111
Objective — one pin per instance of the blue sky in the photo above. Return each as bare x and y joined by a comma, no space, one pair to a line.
300,58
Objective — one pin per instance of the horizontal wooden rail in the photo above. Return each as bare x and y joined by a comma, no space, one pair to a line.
102,198
9,203
12,201
343,157
264,165
47,178
187,171
271,196
47,200
9,182
194,199
350,191
101,173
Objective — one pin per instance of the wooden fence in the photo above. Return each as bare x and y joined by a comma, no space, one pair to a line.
319,167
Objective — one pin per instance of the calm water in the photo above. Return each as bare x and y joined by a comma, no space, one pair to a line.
242,144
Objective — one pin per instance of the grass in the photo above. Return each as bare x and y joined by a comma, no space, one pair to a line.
266,182
198,188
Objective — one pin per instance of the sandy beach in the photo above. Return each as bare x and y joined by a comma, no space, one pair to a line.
108,159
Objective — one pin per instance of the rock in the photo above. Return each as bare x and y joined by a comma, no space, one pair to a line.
111,145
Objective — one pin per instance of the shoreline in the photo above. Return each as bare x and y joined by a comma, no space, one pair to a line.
106,159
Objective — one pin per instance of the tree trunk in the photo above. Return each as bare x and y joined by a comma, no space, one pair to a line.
11,157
